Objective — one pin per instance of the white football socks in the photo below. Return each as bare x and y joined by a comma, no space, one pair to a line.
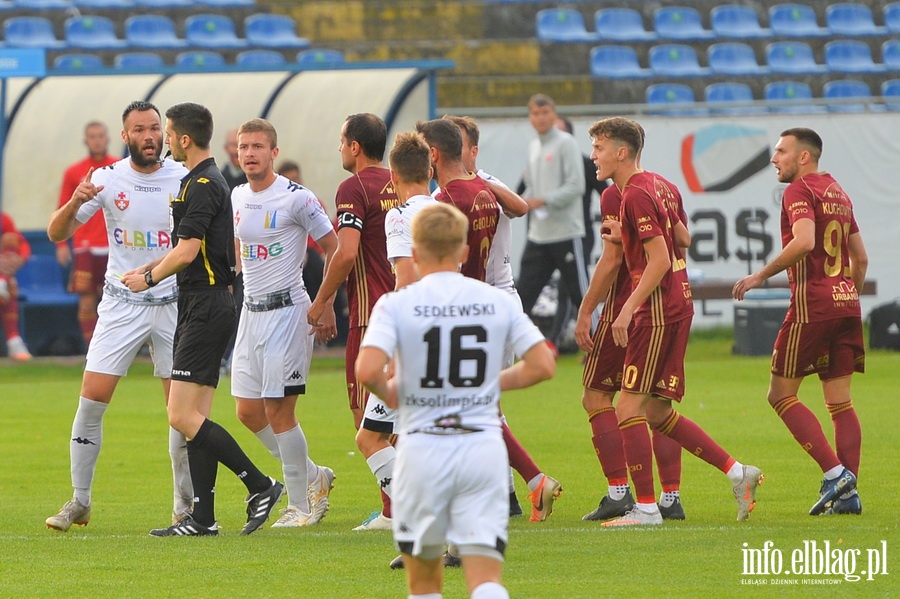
489,590
381,463
84,448
295,459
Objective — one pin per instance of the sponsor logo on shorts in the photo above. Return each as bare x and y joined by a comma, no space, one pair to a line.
181,372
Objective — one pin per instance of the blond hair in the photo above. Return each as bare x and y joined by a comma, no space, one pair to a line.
439,231
410,158
260,126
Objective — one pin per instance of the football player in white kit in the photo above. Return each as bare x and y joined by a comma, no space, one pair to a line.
272,218
447,334
134,195
544,489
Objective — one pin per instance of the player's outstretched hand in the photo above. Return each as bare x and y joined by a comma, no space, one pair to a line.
583,333
744,285
86,191
620,328
611,230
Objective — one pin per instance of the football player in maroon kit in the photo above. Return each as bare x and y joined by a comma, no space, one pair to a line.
362,202
660,304
826,262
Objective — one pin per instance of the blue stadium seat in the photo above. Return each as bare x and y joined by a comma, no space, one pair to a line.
890,91
680,23
616,62
262,58
227,3
892,17
850,56
621,25
562,25
852,20
791,91
846,88
733,58
795,20
320,56
727,93
77,62
672,93
890,55
793,58
42,4
152,31
95,33
30,32
273,31
41,283
212,31
103,4
737,21
138,60
199,59
164,4
675,60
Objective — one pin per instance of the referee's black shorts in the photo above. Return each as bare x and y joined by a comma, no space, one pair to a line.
205,325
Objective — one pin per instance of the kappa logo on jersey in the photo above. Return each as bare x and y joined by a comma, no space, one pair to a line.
385,482
122,200
271,220
143,239
379,409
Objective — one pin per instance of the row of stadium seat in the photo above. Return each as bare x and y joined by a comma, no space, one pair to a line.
785,96
154,31
727,21
125,4
195,59
738,59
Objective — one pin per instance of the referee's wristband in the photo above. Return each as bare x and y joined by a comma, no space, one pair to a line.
148,278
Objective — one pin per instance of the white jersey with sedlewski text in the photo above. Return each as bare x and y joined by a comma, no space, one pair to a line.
498,271
272,226
398,226
136,208
447,334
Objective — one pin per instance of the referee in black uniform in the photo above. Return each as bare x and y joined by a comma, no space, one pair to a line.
203,258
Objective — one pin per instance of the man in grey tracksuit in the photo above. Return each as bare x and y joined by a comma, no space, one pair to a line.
554,186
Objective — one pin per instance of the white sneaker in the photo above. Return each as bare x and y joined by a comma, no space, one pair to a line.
71,513
376,521
17,349
292,517
637,517
318,491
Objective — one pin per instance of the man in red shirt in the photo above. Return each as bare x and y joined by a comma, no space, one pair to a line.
14,252
362,202
91,245
661,308
826,262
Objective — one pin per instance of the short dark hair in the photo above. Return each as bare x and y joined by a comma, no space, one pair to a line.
410,158
444,135
808,138
193,120
369,131
467,124
625,131
541,100
136,106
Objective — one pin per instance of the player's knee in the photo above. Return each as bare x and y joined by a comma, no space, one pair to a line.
593,401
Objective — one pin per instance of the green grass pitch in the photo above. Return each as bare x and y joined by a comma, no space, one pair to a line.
563,557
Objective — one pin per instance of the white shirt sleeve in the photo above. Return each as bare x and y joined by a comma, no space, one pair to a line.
92,206
382,329
398,232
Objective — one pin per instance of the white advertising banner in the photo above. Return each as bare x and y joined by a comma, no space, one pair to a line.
731,193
